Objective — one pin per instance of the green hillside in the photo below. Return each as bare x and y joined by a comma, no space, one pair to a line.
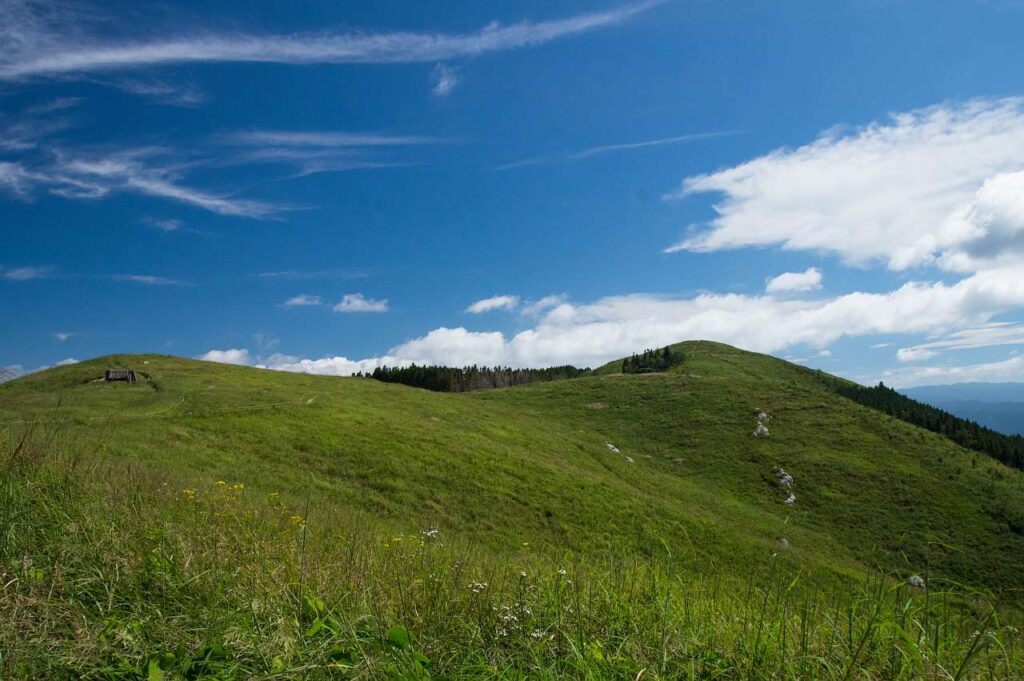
523,476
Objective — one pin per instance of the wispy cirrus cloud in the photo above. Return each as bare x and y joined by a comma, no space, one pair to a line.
148,280
38,41
342,273
146,171
443,78
602,149
303,300
1011,369
26,273
318,151
163,92
322,139
984,336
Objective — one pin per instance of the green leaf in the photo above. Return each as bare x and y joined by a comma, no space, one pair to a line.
400,637
155,672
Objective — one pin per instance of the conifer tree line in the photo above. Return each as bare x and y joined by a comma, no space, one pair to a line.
650,361
459,380
1009,449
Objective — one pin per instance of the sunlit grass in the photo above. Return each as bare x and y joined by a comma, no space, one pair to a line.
118,571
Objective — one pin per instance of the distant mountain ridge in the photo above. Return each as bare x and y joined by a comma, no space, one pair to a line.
999,406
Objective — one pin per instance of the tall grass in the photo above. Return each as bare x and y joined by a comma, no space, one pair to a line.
112,571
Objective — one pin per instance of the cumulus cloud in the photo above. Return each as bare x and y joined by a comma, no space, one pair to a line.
444,79
593,333
303,300
329,366
493,303
940,184
357,302
917,354
231,356
808,280
45,45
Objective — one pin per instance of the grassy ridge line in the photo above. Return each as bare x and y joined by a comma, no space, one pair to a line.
114,571
530,463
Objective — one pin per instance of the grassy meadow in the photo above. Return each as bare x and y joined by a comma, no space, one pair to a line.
227,522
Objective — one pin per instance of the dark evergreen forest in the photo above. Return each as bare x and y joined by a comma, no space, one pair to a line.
464,379
650,361
1008,449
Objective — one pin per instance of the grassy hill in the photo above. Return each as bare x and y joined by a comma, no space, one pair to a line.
314,479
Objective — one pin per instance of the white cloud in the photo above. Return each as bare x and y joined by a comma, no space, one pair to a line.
493,303
63,335
591,334
879,346
66,362
303,300
26,273
35,46
914,354
232,356
11,372
329,366
323,139
535,307
164,225
444,79
163,92
919,188
148,280
608,148
320,151
457,347
985,336
131,170
990,228
1011,369
357,302
808,280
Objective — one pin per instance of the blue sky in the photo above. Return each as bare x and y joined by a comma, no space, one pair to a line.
326,187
